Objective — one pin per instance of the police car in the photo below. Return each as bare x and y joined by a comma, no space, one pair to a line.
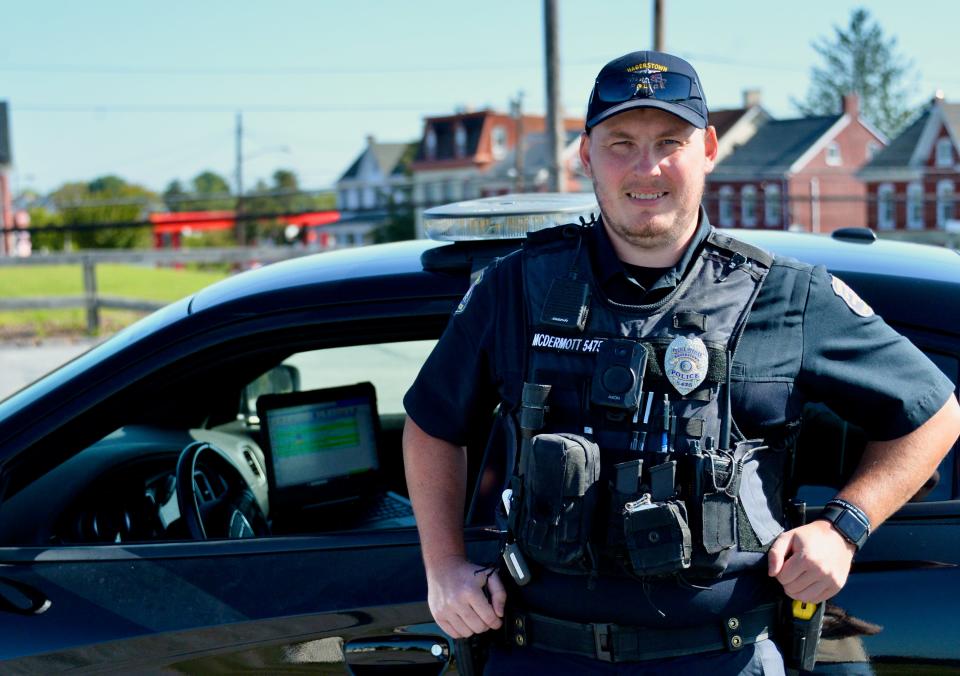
219,487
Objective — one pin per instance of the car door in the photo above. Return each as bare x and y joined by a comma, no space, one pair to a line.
897,612
329,600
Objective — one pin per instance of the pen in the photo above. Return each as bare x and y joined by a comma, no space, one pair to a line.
664,440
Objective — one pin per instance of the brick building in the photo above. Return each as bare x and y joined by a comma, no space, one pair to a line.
798,173
912,183
457,153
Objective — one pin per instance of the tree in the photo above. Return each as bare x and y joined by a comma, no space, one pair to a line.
860,59
104,200
209,191
174,196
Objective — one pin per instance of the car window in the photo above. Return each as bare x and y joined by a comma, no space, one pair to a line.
391,367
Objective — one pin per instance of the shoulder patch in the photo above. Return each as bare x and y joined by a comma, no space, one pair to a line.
850,297
466,297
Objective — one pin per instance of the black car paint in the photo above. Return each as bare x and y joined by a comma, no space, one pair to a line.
274,603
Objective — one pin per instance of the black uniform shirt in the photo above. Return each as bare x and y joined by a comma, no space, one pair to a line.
802,343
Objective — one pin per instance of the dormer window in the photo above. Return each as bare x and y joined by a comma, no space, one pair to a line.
460,141
833,154
944,152
498,142
430,141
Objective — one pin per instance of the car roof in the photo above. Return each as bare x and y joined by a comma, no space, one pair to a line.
881,257
875,258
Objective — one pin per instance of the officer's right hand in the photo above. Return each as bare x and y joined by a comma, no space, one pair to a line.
457,601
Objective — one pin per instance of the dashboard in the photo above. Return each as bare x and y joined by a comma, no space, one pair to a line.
123,488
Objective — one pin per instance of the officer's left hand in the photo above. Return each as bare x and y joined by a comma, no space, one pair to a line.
811,562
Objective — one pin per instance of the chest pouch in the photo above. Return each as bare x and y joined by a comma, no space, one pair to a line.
559,485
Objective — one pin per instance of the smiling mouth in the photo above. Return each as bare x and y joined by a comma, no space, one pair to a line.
645,196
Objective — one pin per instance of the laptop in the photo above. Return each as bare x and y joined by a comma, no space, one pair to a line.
323,461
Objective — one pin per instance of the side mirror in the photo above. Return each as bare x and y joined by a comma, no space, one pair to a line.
281,379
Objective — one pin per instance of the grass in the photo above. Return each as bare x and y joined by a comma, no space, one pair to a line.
128,281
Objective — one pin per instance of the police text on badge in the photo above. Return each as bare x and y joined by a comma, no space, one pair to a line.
686,363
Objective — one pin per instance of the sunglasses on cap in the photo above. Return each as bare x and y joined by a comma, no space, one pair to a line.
617,87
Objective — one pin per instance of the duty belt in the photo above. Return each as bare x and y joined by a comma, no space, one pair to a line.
617,643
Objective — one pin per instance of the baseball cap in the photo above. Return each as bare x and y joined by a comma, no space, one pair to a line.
647,80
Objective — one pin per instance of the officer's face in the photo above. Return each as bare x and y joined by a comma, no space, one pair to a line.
648,169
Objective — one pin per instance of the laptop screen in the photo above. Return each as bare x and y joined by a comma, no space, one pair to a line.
320,441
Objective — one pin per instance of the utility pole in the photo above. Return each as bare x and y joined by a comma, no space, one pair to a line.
555,130
658,25
520,146
240,229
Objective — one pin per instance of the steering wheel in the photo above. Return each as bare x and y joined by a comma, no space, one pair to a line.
228,509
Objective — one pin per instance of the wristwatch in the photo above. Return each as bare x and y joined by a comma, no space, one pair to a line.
848,520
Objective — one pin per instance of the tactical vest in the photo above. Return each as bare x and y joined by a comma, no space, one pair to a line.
630,461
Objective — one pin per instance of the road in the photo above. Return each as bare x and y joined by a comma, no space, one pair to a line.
21,364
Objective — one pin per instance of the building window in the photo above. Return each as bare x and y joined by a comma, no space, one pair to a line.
872,149
885,209
771,204
343,199
833,154
944,152
431,143
944,202
498,142
915,206
748,206
726,206
460,140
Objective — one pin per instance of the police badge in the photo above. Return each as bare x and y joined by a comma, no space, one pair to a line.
686,363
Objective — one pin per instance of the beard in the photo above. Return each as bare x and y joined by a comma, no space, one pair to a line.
652,230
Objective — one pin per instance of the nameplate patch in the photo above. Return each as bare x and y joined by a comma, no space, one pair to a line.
546,341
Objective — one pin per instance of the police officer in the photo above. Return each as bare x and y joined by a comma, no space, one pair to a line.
733,343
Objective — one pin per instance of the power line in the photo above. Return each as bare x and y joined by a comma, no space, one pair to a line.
212,108
265,72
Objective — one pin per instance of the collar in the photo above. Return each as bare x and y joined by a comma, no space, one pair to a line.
610,270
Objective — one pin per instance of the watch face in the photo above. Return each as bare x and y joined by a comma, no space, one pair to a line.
851,525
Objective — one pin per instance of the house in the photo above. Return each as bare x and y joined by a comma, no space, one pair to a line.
798,173
457,153
911,183
736,126
378,178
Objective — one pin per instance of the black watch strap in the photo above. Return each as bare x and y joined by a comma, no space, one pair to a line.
848,520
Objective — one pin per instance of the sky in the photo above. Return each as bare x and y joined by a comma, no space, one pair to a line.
150,90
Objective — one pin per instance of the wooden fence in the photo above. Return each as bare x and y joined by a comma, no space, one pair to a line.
89,259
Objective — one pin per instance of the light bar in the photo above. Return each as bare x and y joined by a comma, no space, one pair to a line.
507,216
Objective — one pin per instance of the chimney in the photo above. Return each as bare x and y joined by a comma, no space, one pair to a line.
751,98
371,140
851,105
